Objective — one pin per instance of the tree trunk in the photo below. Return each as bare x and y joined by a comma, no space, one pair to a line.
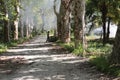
58,15
63,20
115,55
6,24
66,20
55,32
104,17
6,30
79,22
104,31
21,29
26,31
108,30
16,30
59,30
16,21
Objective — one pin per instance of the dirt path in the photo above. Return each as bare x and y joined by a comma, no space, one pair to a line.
37,60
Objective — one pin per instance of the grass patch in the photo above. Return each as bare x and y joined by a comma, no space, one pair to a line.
78,51
53,39
102,64
99,57
97,48
13,43
3,47
68,46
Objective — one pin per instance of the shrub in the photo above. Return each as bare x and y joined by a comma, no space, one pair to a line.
101,63
53,39
3,48
79,51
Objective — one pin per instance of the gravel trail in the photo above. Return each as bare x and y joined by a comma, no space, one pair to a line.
38,60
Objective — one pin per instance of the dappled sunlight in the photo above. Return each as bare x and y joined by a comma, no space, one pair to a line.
33,70
75,61
26,78
34,44
31,44
33,49
45,61
59,77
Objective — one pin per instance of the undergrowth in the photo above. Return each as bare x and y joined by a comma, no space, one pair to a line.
102,64
12,43
98,55
68,46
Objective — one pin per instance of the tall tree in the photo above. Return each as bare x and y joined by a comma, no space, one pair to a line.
115,55
16,18
105,8
79,22
63,20
5,21
58,15
66,4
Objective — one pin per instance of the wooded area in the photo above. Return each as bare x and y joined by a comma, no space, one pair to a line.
24,19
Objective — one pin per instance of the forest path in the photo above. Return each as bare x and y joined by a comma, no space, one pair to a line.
38,60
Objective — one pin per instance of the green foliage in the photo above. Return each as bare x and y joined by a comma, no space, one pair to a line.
97,48
102,64
53,39
3,47
67,46
71,49
79,51
99,55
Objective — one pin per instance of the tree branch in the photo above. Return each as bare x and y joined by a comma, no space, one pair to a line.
55,8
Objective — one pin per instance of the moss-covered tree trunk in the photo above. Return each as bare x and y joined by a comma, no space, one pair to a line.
79,22
115,55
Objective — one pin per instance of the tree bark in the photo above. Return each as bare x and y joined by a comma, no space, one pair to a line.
115,55
6,23
58,15
21,29
26,31
66,20
63,21
104,17
79,22
108,30
16,21
6,30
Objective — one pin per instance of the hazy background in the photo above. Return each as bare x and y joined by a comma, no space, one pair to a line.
39,13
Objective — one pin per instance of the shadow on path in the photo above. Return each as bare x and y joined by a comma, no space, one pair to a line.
37,60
